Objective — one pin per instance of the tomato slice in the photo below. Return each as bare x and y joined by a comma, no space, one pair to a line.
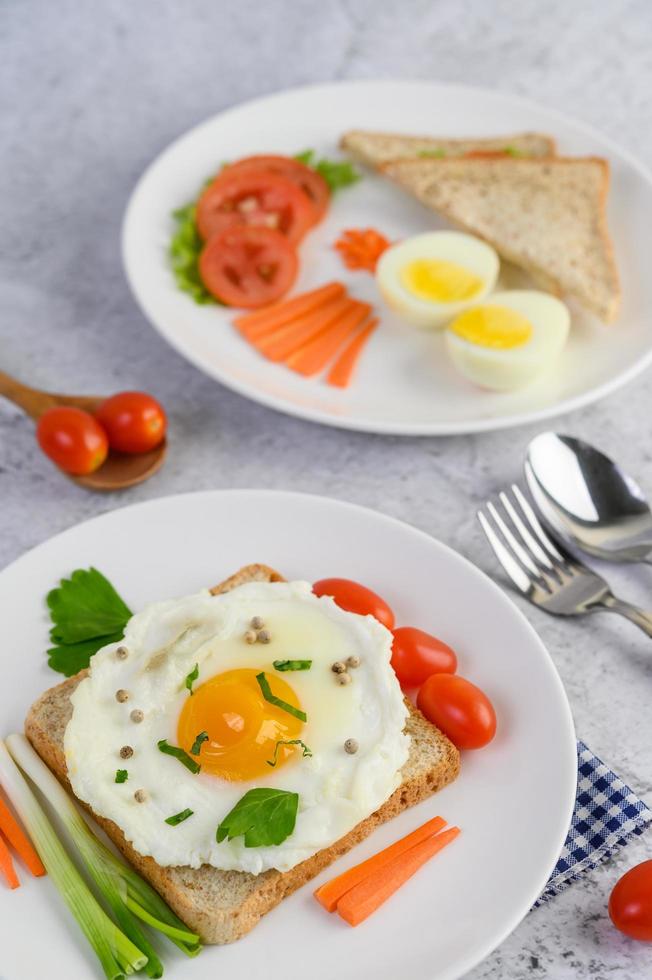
248,267
263,200
310,182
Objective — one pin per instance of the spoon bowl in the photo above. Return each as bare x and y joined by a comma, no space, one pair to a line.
587,499
119,471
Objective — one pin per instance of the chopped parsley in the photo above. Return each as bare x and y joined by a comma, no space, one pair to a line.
288,741
263,817
292,665
179,754
199,741
267,694
121,776
178,818
192,677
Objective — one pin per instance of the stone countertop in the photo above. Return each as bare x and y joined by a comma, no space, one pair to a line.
89,94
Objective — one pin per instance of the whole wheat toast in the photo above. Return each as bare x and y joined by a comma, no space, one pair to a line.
375,149
222,906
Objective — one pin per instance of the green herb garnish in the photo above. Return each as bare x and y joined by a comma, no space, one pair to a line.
121,775
179,754
292,665
513,151
87,613
438,153
199,741
288,741
192,677
267,694
178,818
336,173
184,251
262,816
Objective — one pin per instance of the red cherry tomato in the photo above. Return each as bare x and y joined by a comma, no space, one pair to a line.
310,182
248,267
630,903
258,199
460,709
416,655
134,421
355,598
72,439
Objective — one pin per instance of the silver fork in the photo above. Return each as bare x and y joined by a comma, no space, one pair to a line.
543,570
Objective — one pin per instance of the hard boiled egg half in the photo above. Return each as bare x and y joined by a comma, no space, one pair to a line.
430,278
507,341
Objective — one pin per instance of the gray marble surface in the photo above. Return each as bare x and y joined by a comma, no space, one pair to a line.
89,94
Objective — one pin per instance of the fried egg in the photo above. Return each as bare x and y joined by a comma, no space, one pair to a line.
506,342
187,671
430,278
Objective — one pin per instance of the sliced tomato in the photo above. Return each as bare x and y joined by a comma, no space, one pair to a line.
262,200
248,267
311,183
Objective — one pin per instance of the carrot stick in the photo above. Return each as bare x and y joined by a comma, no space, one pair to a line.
342,370
364,898
332,891
278,346
314,357
287,309
19,840
7,865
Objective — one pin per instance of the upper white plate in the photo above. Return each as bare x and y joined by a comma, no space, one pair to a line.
513,800
405,383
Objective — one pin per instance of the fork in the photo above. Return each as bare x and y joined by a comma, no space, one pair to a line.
548,575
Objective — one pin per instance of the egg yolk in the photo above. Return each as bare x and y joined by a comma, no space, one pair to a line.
439,281
497,327
242,727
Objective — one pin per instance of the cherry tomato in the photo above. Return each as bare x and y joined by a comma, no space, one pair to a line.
260,199
460,709
355,598
630,903
248,267
416,655
133,420
72,439
310,182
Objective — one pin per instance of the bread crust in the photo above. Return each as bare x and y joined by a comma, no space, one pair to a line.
223,906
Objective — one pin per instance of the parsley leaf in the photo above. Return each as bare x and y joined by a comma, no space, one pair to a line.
178,818
262,816
121,775
199,741
179,754
263,683
292,664
86,613
192,677
336,173
288,741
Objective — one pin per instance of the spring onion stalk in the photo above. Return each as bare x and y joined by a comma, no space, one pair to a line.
126,892
115,951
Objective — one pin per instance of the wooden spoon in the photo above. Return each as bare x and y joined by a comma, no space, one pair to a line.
120,470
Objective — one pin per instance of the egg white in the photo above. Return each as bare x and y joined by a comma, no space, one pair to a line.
164,642
453,246
510,368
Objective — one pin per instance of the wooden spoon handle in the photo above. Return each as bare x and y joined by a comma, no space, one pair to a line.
32,401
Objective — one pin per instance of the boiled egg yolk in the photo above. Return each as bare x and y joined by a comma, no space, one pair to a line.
496,327
242,727
440,281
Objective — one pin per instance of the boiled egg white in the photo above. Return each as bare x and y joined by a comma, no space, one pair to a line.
430,278
506,342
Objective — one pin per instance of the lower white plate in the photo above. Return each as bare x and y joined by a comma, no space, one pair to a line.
513,800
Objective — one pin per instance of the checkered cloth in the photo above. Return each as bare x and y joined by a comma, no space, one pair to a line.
607,815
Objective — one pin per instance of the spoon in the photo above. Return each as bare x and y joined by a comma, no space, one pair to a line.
119,471
588,500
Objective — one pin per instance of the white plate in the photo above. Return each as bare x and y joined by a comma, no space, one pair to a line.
513,800
405,383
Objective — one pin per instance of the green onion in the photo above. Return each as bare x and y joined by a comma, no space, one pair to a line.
192,677
121,775
267,694
179,754
195,748
125,891
178,818
115,951
288,741
292,664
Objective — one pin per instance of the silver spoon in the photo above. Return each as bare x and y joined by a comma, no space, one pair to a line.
588,500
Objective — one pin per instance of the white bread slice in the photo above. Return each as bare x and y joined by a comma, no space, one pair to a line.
375,149
222,906
546,216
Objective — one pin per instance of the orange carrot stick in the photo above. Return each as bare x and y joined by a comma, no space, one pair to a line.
7,865
332,891
278,347
258,335
364,898
313,357
281,312
19,840
342,370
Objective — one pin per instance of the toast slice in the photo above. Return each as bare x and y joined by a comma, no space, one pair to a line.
546,216
222,906
374,149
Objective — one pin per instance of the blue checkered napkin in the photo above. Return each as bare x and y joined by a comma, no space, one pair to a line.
607,815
